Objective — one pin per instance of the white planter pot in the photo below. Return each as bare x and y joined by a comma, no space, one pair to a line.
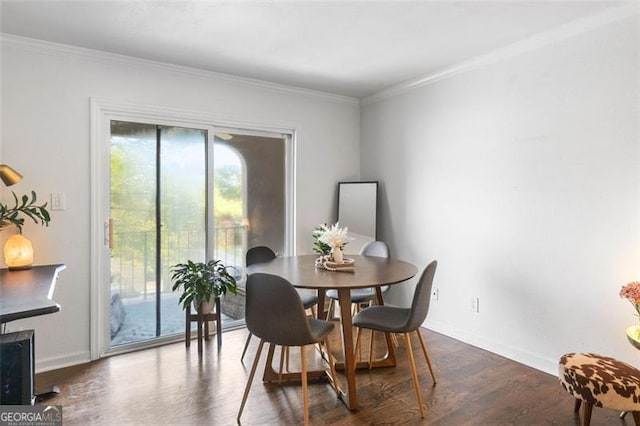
207,307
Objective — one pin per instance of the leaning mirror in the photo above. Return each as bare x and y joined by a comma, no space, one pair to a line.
357,210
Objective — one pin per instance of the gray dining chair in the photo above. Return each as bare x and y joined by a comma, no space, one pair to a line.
261,254
393,319
287,326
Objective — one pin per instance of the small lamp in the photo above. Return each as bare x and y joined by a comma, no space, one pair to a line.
18,253
9,176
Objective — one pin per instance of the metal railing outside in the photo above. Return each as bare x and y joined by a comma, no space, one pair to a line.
133,262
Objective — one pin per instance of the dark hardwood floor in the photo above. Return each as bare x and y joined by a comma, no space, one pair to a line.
172,385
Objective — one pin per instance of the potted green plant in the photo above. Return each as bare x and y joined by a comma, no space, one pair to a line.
25,206
202,283
320,246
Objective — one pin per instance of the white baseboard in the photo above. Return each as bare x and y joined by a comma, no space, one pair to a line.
67,360
529,359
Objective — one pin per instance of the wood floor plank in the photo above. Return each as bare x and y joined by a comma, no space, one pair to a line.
172,385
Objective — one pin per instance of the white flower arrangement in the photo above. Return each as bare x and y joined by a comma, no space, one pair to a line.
334,236
329,241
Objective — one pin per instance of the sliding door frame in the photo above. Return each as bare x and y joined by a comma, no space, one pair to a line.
103,111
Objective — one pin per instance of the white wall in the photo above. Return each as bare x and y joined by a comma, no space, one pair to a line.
521,178
46,136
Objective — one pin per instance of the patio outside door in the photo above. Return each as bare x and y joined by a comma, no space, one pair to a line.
158,219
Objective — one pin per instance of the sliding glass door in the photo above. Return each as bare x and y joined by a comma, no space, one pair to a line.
179,194
158,219
250,202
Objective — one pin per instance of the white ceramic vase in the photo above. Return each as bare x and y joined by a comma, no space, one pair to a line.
336,255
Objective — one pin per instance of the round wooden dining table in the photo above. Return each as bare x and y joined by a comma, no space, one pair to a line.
368,271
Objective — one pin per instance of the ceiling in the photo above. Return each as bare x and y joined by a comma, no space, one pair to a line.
352,48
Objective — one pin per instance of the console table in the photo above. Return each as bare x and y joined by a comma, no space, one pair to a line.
28,292
23,294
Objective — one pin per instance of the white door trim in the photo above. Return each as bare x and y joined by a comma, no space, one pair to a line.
102,112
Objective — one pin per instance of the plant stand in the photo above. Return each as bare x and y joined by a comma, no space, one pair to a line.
203,320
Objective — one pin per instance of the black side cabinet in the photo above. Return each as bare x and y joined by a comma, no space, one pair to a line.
17,366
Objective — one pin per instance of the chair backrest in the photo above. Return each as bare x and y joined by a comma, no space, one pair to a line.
259,254
421,298
274,311
375,248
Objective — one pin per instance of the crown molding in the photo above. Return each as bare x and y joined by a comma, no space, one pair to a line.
98,56
535,42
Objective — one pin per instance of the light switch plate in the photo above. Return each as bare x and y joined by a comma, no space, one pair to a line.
57,201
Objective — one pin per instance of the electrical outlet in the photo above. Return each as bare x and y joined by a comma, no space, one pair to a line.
475,304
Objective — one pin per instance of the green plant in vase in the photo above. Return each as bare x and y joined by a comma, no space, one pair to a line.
331,240
202,282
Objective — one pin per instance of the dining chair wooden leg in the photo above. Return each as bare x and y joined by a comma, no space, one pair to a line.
636,417
355,308
305,391
332,366
250,380
357,344
246,346
426,355
414,373
331,310
286,357
371,350
394,339
283,349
